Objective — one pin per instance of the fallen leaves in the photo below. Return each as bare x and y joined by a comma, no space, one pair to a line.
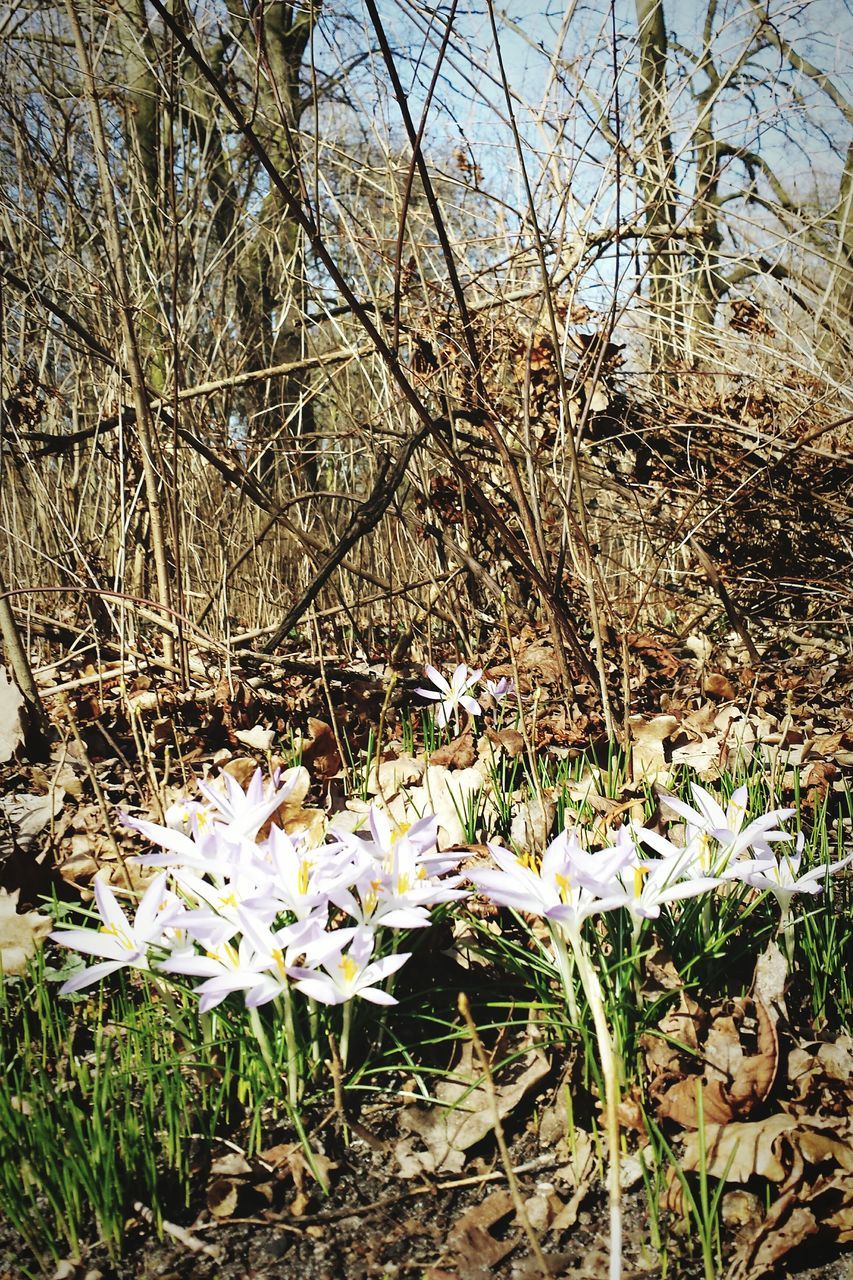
776,1148
729,1057
20,934
11,728
436,1138
726,1059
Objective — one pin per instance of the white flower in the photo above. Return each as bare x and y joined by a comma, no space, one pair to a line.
453,695
395,882
708,821
245,812
351,973
121,943
781,876
563,889
227,968
501,689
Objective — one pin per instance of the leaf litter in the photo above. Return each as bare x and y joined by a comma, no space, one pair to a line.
775,1109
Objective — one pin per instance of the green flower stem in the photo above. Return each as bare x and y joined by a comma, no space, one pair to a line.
290,1041
263,1043
786,936
566,965
345,1030
610,1073
314,1028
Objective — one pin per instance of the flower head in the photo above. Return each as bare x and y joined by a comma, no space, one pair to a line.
781,875
122,944
453,694
734,837
563,889
501,689
346,973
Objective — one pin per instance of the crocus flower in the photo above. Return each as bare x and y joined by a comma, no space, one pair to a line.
226,969
300,878
554,891
709,821
501,689
122,944
452,695
782,878
345,974
245,812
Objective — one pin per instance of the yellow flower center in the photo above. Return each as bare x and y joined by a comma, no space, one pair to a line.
113,931
348,968
564,886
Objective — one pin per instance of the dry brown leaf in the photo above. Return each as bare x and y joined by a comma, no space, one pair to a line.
472,1247
825,1207
648,753
258,738
440,1135
770,1148
232,1165
20,934
11,727
395,771
822,1077
457,754
730,1056
531,823
509,740
320,752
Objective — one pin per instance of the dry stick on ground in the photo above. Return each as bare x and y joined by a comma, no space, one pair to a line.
734,617
363,519
489,1084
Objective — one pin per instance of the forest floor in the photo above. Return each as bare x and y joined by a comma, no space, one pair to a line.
402,1200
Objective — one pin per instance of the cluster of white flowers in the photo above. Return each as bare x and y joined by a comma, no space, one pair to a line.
256,915
570,883
262,916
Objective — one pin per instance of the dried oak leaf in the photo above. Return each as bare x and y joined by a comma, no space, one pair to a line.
510,740
648,750
824,1207
770,1148
20,934
532,821
258,737
471,1247
457,754
730,1055
320,752
821,1076
438,1136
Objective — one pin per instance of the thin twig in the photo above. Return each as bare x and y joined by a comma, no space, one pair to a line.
512,1180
